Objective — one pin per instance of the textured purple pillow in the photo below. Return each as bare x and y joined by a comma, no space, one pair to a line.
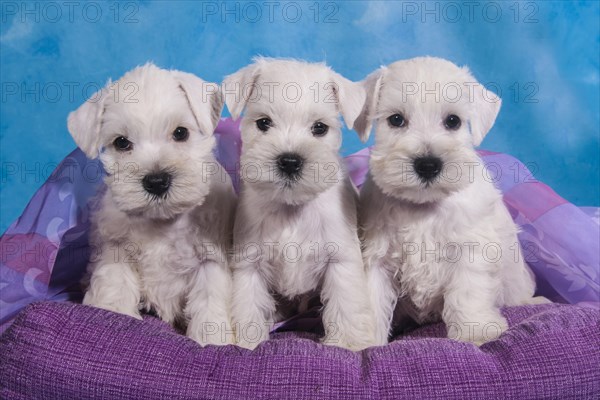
70,351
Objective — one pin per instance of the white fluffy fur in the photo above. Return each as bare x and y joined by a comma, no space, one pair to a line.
300,238
430,249
168,253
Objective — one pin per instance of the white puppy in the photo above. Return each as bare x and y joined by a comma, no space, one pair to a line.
163,226
295,230
438,240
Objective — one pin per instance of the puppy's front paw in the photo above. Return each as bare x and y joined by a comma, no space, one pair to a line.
352,344
250,335
355,338
538,300
109,295
213,339
131,312
479,331
211,334
247,344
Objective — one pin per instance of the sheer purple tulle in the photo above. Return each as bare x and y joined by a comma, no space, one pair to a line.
45,251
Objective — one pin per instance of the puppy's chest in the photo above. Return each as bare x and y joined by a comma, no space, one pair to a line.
163,250
420,258
297,257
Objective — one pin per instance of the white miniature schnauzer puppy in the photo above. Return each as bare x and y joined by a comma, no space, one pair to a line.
438,240
163,225
295,229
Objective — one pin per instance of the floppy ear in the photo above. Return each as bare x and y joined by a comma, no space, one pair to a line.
364,122
238,88
486,107
85,122
205,100
350,97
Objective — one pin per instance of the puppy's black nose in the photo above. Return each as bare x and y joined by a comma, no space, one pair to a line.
427,167
158,183
290,163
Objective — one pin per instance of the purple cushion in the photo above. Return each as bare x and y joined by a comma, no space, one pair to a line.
70,351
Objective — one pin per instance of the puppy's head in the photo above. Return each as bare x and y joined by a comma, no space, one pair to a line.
428,115
153,131
291,131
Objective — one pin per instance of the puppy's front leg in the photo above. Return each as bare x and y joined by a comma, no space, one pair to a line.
383,299
470,311
207,308
114,287
347,317
253,306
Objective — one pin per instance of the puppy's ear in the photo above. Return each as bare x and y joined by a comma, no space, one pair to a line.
238,88
85,122
205,100
486,107
350,97
364,122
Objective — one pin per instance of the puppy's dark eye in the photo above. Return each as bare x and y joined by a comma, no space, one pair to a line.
180,134
264,124
122,144
319,129
452,122
397,120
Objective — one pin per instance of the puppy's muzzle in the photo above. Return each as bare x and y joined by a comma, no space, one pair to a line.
290,164
427,167
157,184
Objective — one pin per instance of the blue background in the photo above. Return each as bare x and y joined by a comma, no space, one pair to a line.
542,57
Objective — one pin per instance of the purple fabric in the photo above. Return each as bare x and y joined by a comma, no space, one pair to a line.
70,351
45,252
